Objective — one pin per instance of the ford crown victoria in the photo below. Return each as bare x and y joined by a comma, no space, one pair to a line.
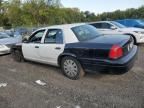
78,48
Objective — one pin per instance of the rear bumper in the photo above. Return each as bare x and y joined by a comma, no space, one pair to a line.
121,65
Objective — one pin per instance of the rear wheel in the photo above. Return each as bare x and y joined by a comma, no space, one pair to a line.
72,68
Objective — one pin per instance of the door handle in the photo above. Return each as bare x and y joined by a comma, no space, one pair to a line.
36,46
58,48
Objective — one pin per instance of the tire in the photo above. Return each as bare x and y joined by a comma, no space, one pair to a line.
17,55
72,68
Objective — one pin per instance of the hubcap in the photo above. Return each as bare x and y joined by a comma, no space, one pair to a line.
70,68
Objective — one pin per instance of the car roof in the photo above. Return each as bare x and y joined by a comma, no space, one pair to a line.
66,30
129,19
64,26
100,22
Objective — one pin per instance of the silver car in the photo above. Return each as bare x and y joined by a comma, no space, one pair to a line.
6,42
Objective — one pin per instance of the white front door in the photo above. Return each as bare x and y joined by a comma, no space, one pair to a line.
52,47
29,51
31,48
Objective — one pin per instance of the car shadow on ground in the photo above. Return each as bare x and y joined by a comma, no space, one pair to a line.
95,75
46,66
57,70
4,55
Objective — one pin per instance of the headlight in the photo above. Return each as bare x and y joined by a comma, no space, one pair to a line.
139,32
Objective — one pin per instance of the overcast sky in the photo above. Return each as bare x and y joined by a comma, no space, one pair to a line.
99,6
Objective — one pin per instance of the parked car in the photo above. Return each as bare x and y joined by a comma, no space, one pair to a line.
22,31
14,34
6,43
10,33
139,23
112,27
78,48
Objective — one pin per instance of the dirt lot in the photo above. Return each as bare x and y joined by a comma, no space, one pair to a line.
92,91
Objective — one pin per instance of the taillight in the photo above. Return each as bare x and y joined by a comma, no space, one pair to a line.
116,52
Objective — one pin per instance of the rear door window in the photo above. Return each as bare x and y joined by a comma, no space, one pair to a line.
106,26
97,25
102,25
54,36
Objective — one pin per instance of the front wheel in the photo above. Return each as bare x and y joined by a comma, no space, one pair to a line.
17,55
72,68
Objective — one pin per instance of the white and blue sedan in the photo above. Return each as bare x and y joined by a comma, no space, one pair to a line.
78,48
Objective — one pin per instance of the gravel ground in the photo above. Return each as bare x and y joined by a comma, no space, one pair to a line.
92,91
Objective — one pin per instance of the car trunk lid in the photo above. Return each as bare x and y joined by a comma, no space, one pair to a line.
124,41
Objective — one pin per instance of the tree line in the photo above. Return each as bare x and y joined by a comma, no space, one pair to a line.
31,13
118,14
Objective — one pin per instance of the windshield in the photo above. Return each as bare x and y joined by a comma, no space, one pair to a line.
85,32
4,35
118,24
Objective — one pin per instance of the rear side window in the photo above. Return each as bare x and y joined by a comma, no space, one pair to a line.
97,25
85,32
54,36
106,26
102,25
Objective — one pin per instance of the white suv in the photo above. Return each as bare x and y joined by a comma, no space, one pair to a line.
112,27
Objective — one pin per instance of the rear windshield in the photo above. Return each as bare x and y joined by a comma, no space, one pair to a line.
85,32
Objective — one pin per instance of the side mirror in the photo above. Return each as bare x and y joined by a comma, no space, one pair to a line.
113,27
